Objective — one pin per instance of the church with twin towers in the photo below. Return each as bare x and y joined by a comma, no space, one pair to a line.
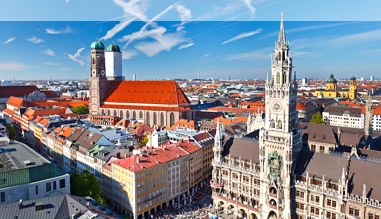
157,102
273,173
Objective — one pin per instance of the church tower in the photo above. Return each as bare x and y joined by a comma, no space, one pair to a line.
98,80
218,143
113,57
352,88
280,139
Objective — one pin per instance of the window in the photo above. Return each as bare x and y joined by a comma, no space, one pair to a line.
171,119
2,196
48,187
300,194
154,118
134,115
36,189
148,118
54,185
140,115
313,147
321,148
162,119
62,183
121,114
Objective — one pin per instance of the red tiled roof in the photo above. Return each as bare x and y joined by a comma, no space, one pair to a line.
8,112
377,110
70,103
300,106
15,101
31,113
137,107
17,91
148,92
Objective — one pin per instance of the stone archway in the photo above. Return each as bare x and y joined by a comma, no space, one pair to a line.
220,207
242,214
230,210
253,216
272,215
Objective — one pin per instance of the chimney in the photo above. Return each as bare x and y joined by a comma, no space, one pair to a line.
20,204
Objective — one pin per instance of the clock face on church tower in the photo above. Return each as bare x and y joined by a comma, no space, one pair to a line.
276,107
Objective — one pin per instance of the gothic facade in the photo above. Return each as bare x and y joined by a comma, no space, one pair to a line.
273,174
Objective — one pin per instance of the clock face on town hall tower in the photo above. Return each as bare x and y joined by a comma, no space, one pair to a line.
276,107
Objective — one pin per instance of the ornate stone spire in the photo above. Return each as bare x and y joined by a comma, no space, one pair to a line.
282,35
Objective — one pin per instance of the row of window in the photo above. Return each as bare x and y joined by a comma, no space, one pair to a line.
147,118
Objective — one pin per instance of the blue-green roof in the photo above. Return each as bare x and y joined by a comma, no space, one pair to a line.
97,45
331,79
28,175
113,48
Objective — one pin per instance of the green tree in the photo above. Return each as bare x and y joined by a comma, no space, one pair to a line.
86,184
11,131
317,118
143,141
80,110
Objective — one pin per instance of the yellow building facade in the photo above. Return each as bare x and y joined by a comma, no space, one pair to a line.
331,90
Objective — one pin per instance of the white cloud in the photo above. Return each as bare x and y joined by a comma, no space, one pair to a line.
67,1
14,66
65,69
59,31
250,56
185,15
128,54
163,42
52,63
116,29
364,37
242,35
9,40
35,40
219,11
134,8
249,5
49,52
184,46
206,55
76,56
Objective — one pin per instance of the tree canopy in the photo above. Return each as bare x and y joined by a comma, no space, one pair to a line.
86,184
11,131
80,110
317,118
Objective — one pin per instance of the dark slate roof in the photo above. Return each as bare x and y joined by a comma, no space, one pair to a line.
244,148
339,111
365,172
317,132
319,164
204,139
60,206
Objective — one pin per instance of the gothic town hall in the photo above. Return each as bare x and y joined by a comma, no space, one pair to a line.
274,173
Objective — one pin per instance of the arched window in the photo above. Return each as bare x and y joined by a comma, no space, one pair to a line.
108,113
162,119
278,78
284,77
127,114
171,119
272,124
103,111
140,115
154,118
148,118
121,114
134,115
115,113
93,61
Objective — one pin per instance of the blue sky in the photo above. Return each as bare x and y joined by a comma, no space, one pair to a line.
175,38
